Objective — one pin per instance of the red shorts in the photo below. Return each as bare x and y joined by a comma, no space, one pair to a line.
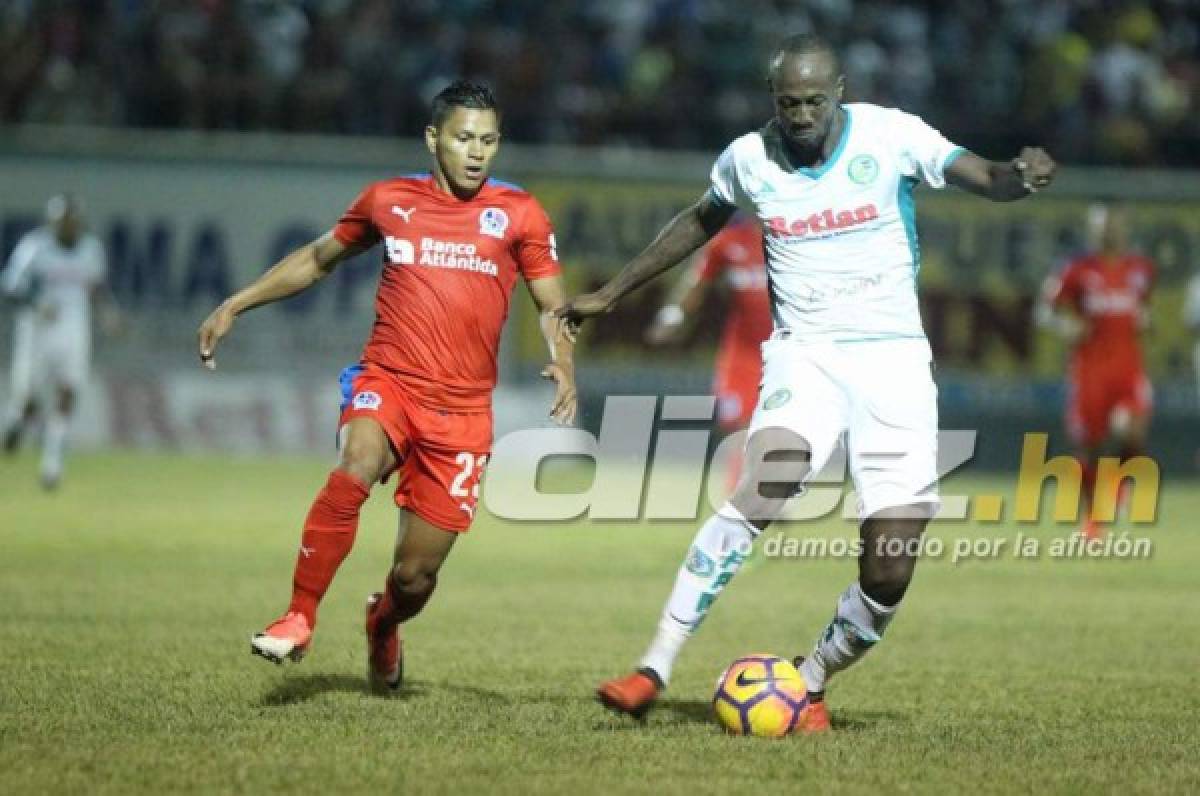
442,454
1095,395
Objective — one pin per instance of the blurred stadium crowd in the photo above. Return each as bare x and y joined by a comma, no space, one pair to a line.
1098,81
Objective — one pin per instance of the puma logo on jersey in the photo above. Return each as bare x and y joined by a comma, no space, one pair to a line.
467,509
307,551
822,222
404,214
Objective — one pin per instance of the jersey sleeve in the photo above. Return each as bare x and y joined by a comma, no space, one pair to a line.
1064,289
536,250
924,153
356,228
724,186
17,279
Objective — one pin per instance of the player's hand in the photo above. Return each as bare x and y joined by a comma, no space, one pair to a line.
1035,167
667,328
582,307
562,410
215,326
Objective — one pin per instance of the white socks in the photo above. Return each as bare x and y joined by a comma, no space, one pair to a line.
858,623
54,440
717,552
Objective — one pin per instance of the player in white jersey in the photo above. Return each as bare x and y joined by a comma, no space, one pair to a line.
52,276
831,184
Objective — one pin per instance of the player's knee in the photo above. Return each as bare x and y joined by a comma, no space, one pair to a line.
363,460
887,586
415,575
885,578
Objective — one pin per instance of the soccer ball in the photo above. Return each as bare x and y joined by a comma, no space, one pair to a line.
760,695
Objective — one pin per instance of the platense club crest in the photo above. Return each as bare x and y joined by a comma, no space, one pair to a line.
863,169
777,399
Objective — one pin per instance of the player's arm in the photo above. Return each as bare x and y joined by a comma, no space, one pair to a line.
682,235
16,281
295,273
549,295
686,299
1056,309
1025,174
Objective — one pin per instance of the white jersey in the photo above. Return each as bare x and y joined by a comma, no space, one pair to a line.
841,239
57,280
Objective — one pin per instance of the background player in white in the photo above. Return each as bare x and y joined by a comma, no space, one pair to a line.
52,276
831,184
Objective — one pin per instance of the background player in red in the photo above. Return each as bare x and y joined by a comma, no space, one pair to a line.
735,258
1099,303
418,404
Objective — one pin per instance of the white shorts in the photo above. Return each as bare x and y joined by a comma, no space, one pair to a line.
54,355
879,394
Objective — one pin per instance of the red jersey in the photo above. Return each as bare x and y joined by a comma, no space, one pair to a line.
1111,297
449,267
736,253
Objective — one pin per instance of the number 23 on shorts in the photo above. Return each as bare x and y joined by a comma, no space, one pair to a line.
466,483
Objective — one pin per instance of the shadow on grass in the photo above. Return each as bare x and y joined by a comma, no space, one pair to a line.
681,712
862,720
668,712
294,690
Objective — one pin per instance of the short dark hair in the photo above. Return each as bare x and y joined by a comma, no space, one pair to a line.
802,44
462,94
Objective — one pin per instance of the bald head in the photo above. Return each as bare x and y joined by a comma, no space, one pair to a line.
804,52
64,214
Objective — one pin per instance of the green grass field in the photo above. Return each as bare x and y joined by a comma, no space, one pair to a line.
128,600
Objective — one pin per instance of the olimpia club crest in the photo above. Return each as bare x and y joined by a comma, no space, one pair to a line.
777,399
863,169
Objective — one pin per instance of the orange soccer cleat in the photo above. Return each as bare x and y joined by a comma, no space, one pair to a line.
284,638
385,664
813,719
633,694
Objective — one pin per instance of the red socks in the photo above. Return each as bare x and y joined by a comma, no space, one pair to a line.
397,606
328,536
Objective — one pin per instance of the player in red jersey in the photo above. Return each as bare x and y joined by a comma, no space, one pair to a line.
735,257
1099,303
418,404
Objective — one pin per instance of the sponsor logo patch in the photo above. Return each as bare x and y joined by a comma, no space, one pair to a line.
777,399
821,223
367,400
493,222
400,251
699,563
